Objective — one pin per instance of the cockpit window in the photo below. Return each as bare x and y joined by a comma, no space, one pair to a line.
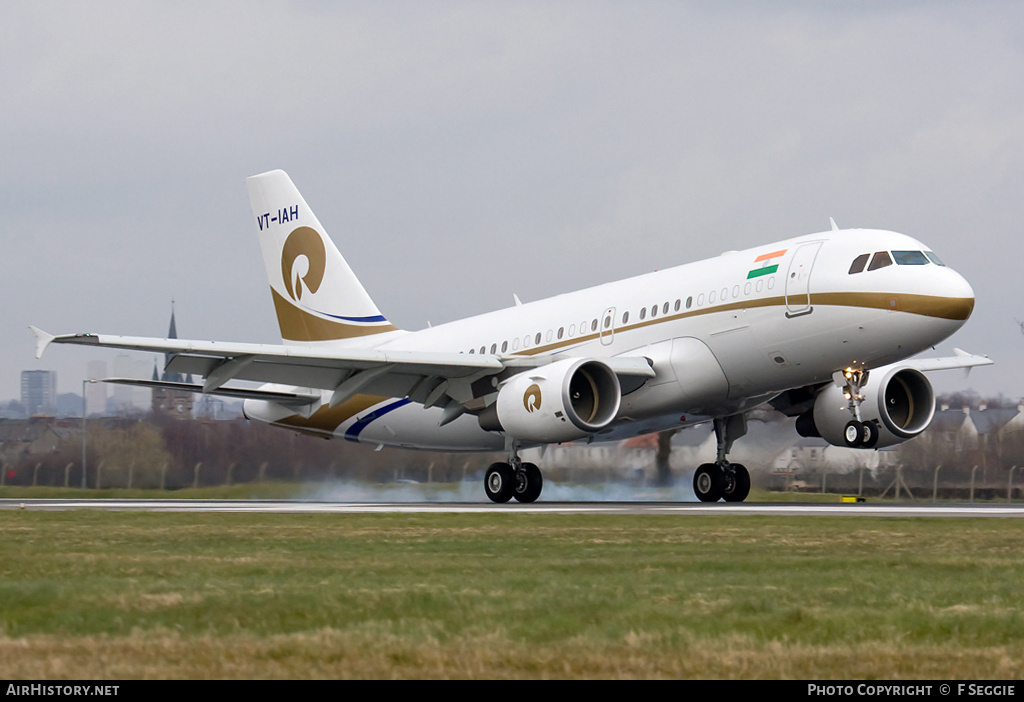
858,263
880,260
933,258
910,258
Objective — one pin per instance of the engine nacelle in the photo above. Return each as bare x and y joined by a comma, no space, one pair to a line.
562,401
897,399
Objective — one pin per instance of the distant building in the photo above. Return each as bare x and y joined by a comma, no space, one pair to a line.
39,391
171,401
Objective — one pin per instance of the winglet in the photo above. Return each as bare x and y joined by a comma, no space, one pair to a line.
42,340
968,357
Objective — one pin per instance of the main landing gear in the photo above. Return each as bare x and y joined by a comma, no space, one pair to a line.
724,480
857,433
517,479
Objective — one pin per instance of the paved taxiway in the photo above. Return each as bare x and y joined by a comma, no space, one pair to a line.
864,509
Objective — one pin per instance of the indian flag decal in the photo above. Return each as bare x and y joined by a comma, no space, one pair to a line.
766,264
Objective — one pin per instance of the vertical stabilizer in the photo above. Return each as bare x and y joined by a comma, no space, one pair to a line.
316,295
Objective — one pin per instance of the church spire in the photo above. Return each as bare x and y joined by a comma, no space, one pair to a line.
173,331
176,402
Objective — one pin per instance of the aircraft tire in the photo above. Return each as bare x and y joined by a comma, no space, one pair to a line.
870,435
737,485
528,483
499,482
853,434
708,483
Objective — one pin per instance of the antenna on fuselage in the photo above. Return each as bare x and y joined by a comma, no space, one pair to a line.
833,223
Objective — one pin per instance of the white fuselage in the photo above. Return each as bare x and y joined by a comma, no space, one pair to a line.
724,335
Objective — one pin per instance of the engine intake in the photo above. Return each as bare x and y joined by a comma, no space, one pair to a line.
562,401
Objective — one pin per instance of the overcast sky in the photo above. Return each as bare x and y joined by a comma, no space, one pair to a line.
460,152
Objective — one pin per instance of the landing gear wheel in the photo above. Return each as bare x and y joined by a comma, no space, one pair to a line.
528,483
870,435
708,483
737,483
500,482
853,433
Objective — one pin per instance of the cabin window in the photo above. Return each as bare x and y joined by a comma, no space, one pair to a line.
735,290
494,349
572,330
625,317
483,349
880,260
858,263
607,321
689,301
504,346
537,338
664,308
550,335
910,258
654,310
593,325
711,297
700,300
643,313
679,303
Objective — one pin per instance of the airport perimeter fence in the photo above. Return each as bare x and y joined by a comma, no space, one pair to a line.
962,484
172,454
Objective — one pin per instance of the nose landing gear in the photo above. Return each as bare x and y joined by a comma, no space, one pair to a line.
857,433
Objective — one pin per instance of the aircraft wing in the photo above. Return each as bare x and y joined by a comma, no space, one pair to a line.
962,359
429,378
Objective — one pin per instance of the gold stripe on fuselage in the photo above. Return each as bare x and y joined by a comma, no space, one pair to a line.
326,420
952,308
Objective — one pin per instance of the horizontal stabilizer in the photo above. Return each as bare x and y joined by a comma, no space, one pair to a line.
288,399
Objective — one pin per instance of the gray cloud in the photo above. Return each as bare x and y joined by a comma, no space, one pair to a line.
460,152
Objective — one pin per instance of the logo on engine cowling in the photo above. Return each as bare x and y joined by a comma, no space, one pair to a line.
531,399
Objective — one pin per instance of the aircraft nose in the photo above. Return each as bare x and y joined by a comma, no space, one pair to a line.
958,295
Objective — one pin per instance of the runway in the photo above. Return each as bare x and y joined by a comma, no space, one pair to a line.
864,509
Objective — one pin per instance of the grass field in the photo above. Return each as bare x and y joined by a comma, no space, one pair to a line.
142,595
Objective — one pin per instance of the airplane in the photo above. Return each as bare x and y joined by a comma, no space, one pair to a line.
821,327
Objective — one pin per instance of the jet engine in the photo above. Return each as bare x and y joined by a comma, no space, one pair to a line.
898,404
562,401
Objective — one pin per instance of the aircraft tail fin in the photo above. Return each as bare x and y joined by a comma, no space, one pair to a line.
316,295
